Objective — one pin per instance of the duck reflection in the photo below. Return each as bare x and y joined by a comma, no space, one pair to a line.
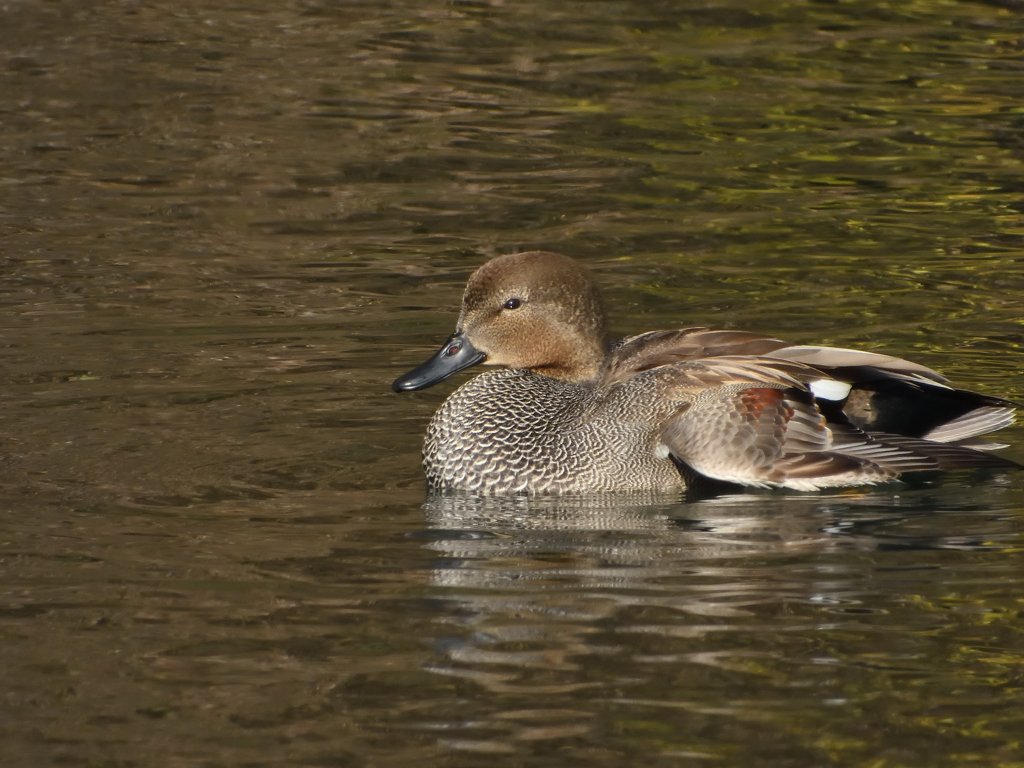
650,530
641,533
547,587
566,598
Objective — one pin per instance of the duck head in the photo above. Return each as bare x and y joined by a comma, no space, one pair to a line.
535,310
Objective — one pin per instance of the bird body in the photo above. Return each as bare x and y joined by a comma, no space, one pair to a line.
567,413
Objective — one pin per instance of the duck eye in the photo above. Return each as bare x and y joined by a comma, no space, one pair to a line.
513,304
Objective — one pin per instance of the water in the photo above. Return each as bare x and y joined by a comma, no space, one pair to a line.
228,227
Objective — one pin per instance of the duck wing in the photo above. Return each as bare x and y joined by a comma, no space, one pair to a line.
653,349
888,394
875,392
757,421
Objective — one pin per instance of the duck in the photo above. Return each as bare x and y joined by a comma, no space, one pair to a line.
563,411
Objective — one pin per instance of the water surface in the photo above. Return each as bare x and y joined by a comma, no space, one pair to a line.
227,228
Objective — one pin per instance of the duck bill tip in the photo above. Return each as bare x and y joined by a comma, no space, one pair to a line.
456,354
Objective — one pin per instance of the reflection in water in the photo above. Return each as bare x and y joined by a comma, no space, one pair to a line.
625,541
227,227
556,598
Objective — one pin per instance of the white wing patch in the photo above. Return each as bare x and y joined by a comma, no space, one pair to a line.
830,389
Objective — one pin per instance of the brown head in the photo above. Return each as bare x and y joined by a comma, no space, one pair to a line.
536,310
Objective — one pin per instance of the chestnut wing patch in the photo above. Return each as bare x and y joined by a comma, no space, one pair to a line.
753,435
772,434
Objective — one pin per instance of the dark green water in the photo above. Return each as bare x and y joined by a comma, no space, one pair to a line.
226,227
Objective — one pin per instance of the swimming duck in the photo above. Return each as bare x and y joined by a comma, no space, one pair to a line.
567,413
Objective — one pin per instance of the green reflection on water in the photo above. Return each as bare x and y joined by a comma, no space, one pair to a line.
228,227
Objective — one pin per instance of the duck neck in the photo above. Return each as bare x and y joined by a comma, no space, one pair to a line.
578,361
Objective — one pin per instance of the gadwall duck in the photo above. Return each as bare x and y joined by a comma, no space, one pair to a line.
567,413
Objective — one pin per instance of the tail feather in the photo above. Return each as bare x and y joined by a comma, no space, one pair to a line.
980,421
